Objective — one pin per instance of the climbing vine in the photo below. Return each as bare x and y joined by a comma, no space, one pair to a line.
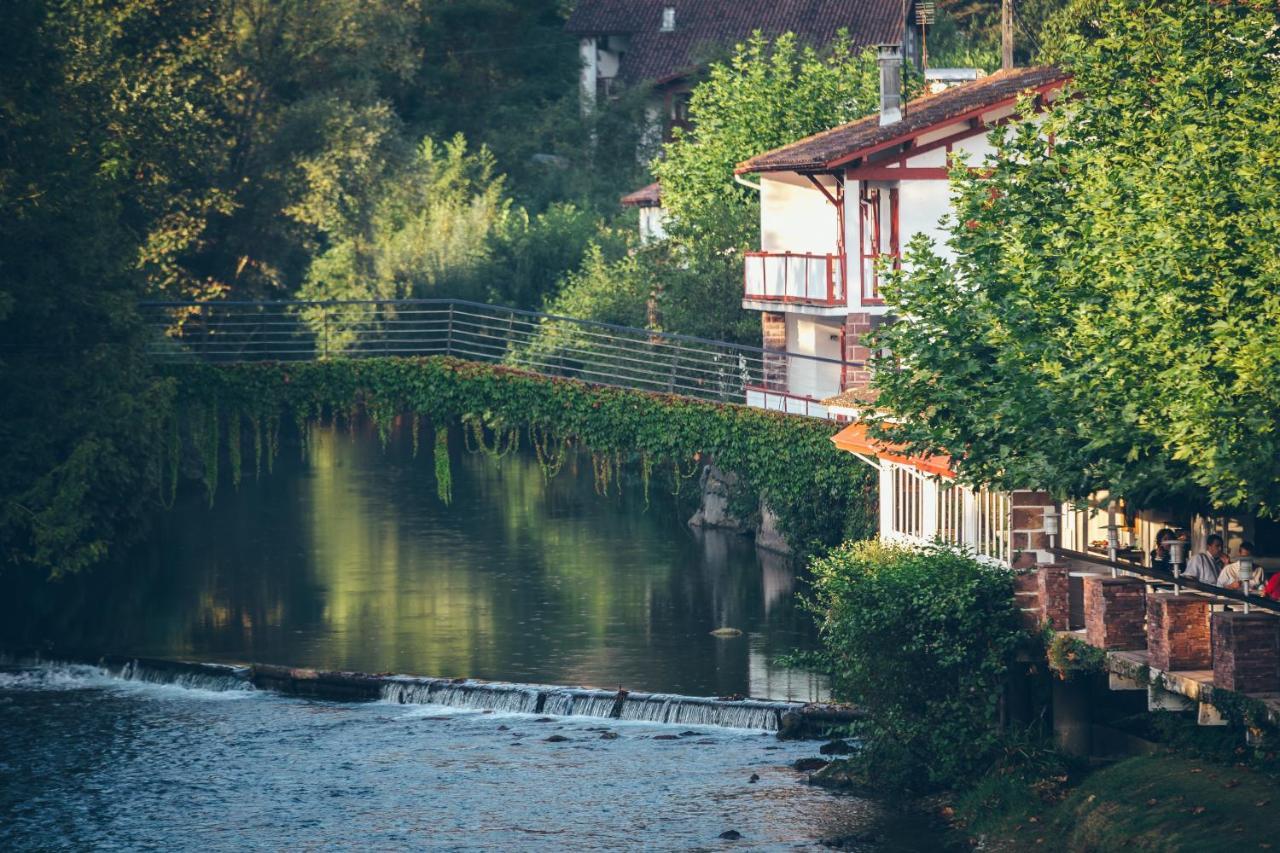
820,495
1069,656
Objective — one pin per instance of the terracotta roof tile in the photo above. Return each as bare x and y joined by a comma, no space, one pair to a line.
824,149
703,26
650,196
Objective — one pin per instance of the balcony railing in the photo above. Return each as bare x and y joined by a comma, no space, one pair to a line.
795,278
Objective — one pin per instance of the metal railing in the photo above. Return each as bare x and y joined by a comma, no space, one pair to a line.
594,352
792,277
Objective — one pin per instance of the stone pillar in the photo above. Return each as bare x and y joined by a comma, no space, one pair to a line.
773,327
1178,632
1026,523
1114,613
1055,599
1246,652
1072,716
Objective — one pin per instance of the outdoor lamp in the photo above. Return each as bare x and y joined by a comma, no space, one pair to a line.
1113,545
1244,567
1052,519
1176,555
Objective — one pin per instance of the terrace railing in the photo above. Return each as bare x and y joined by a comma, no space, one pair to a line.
598,353
793,278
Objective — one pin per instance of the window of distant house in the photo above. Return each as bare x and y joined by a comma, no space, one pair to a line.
668,18
680,109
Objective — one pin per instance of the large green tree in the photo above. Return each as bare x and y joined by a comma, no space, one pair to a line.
1106,315
102,130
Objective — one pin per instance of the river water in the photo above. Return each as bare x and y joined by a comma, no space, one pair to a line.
345,558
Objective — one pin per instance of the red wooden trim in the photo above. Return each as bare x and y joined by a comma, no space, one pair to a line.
899,173
817,183
894,248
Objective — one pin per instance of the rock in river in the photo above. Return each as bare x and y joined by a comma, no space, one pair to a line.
835,747
808,765
731,835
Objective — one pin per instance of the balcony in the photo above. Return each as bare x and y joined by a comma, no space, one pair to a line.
794,278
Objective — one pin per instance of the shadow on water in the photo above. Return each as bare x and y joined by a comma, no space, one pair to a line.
345,558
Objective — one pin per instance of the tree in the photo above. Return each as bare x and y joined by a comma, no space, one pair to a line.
765,95
1106,317
101,110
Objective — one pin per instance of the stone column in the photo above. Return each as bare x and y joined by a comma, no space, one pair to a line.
1246,652
773,327
856,327
1178,632
1114,613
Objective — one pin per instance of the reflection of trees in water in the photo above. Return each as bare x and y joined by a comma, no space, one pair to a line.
347,559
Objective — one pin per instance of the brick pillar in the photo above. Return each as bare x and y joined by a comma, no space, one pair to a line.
773,327
1178,632
1026,522
857,326
1055,597
1246,652
1026,594
1114,613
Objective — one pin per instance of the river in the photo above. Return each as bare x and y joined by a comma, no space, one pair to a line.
344,558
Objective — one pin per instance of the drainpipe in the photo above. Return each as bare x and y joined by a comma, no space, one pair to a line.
738,179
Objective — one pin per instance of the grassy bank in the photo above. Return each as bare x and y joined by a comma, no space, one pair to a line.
1158,802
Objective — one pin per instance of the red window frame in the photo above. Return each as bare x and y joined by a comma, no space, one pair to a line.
870,214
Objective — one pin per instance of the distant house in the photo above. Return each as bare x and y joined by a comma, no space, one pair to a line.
833,206
653,216
664,42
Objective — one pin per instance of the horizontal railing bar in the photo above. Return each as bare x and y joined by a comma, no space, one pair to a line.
481,305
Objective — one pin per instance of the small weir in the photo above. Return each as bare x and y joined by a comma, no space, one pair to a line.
788,718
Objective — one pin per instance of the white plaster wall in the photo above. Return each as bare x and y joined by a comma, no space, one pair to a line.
795,216
921,205
653,222
587,82
807,336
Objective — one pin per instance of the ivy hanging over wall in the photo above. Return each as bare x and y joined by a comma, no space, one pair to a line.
820,495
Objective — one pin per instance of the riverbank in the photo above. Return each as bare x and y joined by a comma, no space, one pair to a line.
1153,802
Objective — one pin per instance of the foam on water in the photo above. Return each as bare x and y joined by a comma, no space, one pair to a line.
190,680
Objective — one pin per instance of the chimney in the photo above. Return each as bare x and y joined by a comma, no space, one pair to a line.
890,58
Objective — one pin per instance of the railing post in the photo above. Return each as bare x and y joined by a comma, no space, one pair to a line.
449,333
671,375
325,343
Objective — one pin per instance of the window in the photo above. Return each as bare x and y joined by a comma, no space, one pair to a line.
668,18
878,216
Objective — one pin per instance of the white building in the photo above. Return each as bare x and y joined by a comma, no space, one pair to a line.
653,216
835,205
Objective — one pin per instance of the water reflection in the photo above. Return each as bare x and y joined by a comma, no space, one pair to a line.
345,558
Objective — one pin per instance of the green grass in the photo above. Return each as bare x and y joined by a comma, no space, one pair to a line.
1143,803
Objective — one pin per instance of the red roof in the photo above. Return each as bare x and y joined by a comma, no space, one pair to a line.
703,27
835,147
854,439
650,196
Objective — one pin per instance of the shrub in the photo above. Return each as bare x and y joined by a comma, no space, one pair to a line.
921,638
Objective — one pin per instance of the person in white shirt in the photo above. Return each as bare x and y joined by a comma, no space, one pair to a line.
1207,565
1233,574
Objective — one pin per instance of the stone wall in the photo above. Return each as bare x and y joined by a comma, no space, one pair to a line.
1246,652
773,333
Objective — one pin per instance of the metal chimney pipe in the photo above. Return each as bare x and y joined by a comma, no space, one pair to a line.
890,58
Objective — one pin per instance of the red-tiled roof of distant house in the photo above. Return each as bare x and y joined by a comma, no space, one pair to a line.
843,144
650,196
703,27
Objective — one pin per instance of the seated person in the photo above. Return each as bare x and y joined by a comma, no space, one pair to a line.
1207,565
1160,553
1272,589
1233,574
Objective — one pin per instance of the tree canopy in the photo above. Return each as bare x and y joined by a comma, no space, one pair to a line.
1105,314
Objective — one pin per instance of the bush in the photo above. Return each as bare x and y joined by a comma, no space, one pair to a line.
921,638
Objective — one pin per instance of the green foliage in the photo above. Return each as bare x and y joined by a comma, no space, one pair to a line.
768,93
86,152
1108,319
413,230
818,494
921,639
1070,656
